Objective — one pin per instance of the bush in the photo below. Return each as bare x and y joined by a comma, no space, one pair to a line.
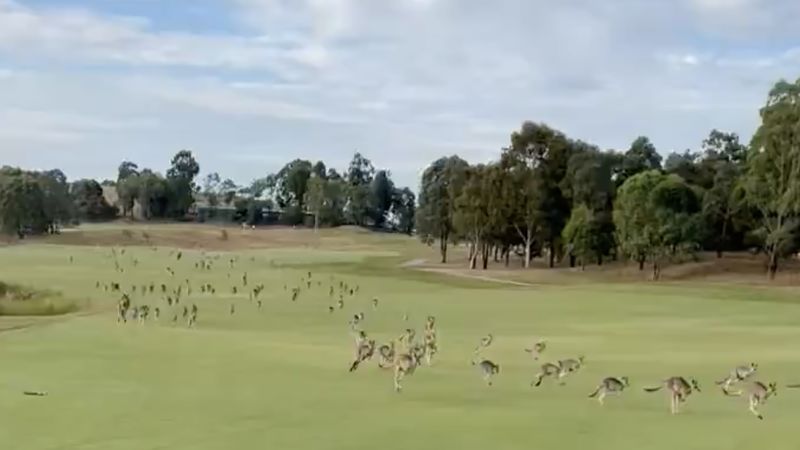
20,301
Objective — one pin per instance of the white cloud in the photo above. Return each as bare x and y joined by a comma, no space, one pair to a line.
751,20
71,35
55,126
401,80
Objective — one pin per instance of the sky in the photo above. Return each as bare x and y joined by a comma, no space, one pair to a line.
248,85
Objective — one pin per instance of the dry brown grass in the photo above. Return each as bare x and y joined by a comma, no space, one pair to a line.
739,268
232,238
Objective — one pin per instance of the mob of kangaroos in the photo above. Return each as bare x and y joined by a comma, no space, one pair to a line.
406,354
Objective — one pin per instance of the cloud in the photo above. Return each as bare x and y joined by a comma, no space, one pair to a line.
403,81
57,127
217,97
752,20
70,35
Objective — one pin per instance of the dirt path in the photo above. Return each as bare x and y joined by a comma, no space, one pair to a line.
417,264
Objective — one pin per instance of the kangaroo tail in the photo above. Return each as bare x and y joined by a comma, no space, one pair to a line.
652,389
793,386
594,394
354,366
721,382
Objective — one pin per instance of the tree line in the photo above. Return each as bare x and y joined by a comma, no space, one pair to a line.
300,192
558,197
361,195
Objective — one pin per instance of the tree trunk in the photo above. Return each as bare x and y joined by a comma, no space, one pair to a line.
721,240
507,251
496,254
316,223
552,256
656,270
572,261
772,268
599,260
473,256
487,249
527,262
641,263
443,246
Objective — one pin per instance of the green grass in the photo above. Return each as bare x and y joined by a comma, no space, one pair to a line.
277,378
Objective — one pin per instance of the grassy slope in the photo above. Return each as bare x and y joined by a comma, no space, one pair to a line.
277,378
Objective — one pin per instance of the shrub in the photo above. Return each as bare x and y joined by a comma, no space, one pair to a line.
21,301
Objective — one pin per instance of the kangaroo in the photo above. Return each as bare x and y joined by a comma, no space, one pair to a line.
404,364
738,374
360,337
364,353
430,323
757,393
488,370
559,370
407,338
431,347
537,349
485,342
547,370
610,385
386,352
571,365
679,389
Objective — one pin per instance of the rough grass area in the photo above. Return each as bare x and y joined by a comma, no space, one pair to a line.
22,301
276,377
212,237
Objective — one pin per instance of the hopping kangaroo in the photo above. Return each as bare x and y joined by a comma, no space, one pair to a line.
365,352
679,389
537,349
485,342
386,353
430,344
757,394
610,385
488,370
405,364
559,370
738,374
